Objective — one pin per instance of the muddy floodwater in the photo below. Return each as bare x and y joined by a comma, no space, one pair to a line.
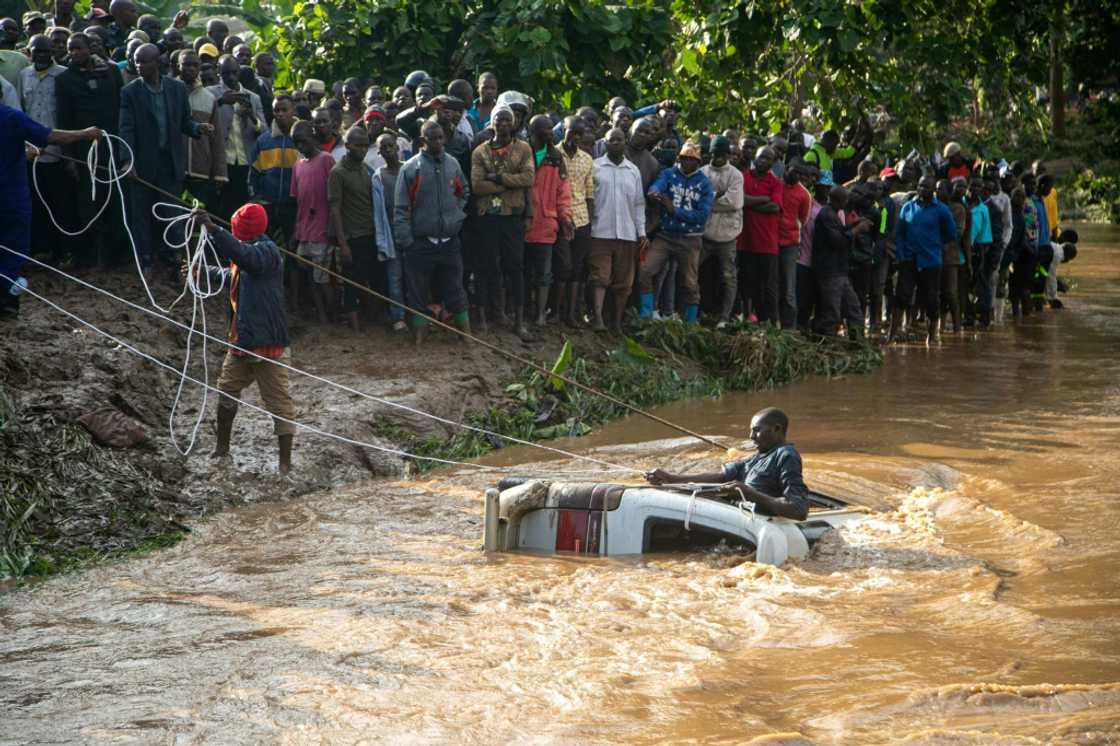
979,603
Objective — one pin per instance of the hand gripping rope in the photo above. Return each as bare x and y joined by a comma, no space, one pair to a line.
342,387
198,282
311,428
454,330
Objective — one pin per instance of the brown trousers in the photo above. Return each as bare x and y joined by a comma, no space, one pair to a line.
612,264
687,251
272,382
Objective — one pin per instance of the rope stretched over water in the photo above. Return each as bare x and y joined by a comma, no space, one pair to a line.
334,384
455,330
209,387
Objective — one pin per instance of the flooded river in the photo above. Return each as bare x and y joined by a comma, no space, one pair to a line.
979,605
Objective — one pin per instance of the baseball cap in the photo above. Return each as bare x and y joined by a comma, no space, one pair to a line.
825,179
690,150
33,15
97,13
951,149
209,50
887,173
312,85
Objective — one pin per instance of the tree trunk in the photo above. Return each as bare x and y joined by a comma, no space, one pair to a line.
1057,90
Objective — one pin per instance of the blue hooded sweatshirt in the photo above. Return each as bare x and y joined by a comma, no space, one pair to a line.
692,201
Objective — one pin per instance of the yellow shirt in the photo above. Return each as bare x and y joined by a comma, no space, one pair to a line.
581,175
1051,203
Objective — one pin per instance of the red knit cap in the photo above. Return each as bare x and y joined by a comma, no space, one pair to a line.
249,222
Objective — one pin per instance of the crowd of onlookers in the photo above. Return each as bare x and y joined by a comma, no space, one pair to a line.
472,205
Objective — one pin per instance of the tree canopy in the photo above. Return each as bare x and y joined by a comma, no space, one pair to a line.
922,62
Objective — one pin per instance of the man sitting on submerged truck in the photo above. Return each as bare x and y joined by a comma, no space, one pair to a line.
771,478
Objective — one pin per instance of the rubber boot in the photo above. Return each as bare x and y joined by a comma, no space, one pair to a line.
645,305
225,430
692,314
542,305
419,329
285,453
462,321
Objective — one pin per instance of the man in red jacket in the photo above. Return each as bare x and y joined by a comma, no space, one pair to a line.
551,211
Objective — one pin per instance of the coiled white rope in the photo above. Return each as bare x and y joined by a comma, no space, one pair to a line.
310,428
342,387
198,282
199,285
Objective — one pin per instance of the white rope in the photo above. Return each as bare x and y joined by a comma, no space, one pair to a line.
125,345
197,284
342,387
689,509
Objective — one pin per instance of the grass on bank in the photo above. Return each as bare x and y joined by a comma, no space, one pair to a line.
646,371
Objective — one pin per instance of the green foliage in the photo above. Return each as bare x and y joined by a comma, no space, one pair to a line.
746,357
563,53
1092,194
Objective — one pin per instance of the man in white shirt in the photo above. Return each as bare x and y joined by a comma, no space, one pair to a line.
242,120
40,102
618,232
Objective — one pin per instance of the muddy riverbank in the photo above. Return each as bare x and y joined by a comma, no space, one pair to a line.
90,469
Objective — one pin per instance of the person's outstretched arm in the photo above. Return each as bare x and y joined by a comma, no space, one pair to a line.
660,476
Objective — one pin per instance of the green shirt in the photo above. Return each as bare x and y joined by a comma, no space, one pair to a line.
817,154
349,188
11,62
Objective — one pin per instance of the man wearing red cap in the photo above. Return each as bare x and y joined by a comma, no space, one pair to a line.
260,326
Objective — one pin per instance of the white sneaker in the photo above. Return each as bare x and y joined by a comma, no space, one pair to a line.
400,326
721,325
656,315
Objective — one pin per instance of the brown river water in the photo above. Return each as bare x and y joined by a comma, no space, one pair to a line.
979,604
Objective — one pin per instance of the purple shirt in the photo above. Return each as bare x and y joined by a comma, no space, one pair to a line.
309,187
805,258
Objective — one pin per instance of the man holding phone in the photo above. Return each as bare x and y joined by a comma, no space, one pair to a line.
242,119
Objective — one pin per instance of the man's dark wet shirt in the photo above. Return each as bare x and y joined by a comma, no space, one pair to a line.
776,473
